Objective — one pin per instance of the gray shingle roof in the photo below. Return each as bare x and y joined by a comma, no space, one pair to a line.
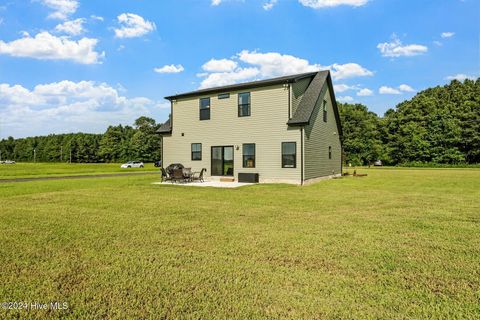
315,90
165,127
239,86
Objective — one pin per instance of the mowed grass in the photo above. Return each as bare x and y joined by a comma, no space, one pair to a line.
36,170
394,245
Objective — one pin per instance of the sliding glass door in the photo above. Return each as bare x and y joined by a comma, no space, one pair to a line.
222,161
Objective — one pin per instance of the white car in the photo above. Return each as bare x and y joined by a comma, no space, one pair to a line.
8,162
132,164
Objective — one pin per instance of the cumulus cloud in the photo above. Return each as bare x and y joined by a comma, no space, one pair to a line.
253,65
170,69
269,4
460,77
221,65
318,4
447,34
72,27
67,106
349,70
388,90
406,88
62,9
226,78
395,48
398,90
365,92
216,2
45,46
132,26
273,64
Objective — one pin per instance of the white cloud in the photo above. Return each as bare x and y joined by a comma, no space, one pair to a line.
225,78
460,77
364,92
67,106
170,69
406,88
318,4
349,70
273,64
45,46
62,8
447,34
342,87
73,27
437,43
345,99
133,25
94,17
216,2
269,4
388,90
221,65
253,65
395,48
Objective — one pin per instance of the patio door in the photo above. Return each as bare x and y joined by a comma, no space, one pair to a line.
222,161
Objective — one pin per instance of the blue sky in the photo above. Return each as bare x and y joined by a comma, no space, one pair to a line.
78,65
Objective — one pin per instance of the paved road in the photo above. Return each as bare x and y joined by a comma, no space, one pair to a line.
108,175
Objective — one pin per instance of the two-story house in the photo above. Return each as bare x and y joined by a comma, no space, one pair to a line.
285,129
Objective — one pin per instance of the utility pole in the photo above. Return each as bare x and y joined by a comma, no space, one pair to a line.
34,155
61,153
70,155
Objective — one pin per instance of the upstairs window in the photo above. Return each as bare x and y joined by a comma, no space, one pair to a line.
324,110
205,109
289,154
196,151
249,155
244,104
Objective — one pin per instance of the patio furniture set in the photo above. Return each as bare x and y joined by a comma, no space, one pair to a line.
176,172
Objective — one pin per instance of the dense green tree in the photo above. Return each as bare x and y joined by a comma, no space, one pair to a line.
361,134
146,142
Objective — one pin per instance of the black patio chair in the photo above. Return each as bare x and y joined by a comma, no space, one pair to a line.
199,177
165,175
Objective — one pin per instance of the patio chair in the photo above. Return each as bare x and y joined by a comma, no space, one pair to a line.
178,175
198,176
187,174
165,175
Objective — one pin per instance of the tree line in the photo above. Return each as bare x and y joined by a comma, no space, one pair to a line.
117,144
439,125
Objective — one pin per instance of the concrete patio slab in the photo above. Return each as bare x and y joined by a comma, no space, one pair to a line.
214,184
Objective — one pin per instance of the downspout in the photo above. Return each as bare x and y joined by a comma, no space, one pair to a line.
289,102
161,151
301,155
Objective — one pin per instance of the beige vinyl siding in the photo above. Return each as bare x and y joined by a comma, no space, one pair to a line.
266,127
298,89
319,135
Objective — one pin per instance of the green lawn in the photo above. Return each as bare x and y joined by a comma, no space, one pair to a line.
397,244
34,170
